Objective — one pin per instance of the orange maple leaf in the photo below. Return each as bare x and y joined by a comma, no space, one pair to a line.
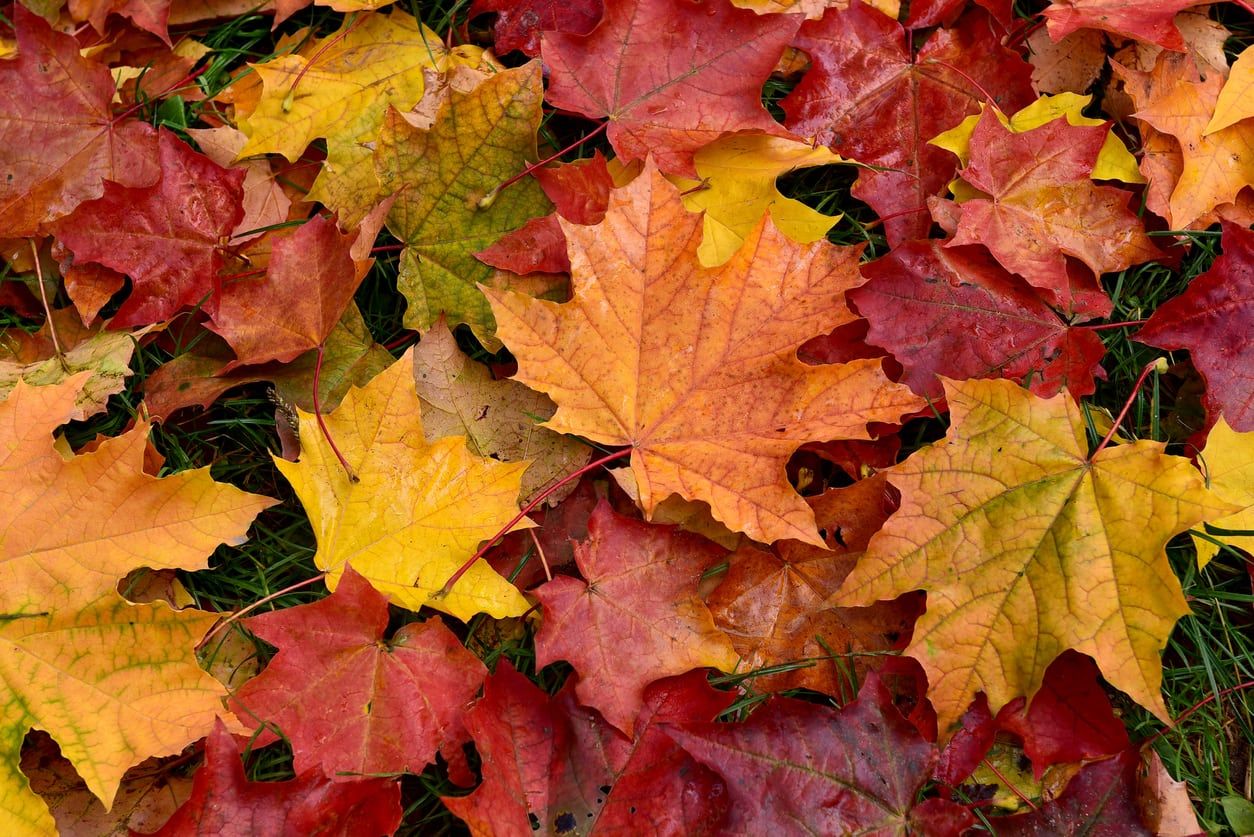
696,368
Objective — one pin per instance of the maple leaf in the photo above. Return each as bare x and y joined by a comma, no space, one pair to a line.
441,500
696,368
498,418
1043,206
1028,555
196,378
1229,466
1234,102
773,603
1144,20
874,99
225,804
351,701
166,236
926,302
1216,165
308,285
803,767
1210,320
1099,799
341,92
737,186
105,355
548,761
1114,161
149,794
75,649
580,190
635,618
149,15
440,212
520,22
670,77
266,204
48,167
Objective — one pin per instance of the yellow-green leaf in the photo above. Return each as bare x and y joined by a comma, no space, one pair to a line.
1228,462
416,512
1027,547
445,178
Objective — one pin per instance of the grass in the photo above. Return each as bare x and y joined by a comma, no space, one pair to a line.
1210,654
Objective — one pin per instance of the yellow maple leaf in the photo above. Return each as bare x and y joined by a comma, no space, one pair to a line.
1114,161
340,91
737,186
447,210
416,512
1228,461
1027,547
113,682
695,367
1236,99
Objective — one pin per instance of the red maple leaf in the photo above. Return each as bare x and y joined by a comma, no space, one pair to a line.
59,140
167,237
351,701
953,311
225,804
670,77
1214,320
873,98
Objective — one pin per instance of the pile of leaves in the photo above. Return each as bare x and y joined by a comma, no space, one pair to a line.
593,474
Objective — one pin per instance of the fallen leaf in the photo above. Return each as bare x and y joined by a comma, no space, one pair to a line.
801,767
105,355
443,213
352,701
51,166
669,77
75,649
736,187
772,603
1163,802
635,617
1143,20
500,419
225,804
150,792
713,404
196,378
955,312
266,204
1074,542
1234,102
1209,320
1097,800
1042,207
442,500
873,98
1069,65
1228,463
371,63
519,23
1216,166
549,762
303,294
167,237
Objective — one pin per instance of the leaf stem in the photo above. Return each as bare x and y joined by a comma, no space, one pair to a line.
43,296
322,425
1009,784
490,197
1106,326
290,98
988,97
527,509
1127,405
